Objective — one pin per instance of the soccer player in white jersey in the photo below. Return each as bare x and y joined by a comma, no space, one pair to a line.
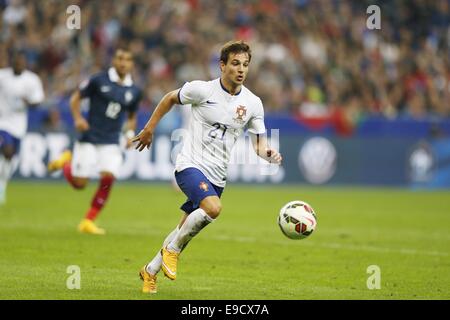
221,110
19,89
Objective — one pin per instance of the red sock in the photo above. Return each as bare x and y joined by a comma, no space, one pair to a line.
100,197
67,171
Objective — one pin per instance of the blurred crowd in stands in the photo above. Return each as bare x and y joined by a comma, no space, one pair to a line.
311,58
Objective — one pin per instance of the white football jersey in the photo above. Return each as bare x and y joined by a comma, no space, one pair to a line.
217,120
14,89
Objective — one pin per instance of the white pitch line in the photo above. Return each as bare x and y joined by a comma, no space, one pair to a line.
335,246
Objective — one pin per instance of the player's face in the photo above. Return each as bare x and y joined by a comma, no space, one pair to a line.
236,68
123,62
19,63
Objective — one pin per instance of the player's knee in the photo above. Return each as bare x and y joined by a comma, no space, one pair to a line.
8,152
80,183
214,210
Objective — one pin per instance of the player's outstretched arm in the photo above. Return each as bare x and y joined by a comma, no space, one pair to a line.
145,137
263,150
75,108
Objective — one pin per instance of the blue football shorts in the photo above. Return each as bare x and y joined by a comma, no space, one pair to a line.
7,139
196,187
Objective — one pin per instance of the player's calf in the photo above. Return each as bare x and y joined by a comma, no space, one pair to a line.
100,197
194,223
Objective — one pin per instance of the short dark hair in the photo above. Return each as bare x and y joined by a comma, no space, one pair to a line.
125,48
234,47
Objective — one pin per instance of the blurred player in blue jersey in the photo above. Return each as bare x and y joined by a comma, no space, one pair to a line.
222,109
19,89
114,99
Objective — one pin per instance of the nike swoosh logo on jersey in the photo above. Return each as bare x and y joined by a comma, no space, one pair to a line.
210,102
105,89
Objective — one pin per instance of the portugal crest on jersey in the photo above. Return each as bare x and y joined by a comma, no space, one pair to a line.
204,186
241,111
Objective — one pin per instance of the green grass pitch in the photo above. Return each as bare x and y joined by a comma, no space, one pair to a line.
243,255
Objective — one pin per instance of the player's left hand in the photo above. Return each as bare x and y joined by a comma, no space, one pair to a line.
144,139
274,156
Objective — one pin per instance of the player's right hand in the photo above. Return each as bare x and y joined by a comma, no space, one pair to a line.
81,124
144,139
274,156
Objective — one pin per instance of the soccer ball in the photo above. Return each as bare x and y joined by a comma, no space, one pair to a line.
297,220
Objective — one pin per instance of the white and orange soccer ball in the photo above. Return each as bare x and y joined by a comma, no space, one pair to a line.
297,220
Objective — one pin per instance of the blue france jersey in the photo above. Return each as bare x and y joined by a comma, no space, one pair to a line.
109,104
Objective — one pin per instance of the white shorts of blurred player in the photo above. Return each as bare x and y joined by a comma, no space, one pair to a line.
90,159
